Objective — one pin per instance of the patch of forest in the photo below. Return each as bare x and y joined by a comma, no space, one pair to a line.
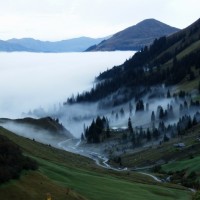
12,160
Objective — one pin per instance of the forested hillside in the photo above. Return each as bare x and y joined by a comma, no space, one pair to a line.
169,60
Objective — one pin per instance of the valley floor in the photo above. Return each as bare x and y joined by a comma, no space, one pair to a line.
70,176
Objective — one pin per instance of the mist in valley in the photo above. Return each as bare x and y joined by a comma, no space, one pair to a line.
37,84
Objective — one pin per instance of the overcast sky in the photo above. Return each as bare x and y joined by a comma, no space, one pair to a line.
63,19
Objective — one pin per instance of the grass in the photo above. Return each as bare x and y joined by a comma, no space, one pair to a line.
97,187
188,85
190,165
34,185
60,170
165,152
193,47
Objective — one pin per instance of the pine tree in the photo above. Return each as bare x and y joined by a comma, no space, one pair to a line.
168,94
132,134
161,113
82,137
148,135
194,121
130,128
139,106
153,117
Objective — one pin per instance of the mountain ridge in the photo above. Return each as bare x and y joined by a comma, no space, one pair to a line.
9,47
135,37
34,45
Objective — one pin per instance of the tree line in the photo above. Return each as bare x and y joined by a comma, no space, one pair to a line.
12,161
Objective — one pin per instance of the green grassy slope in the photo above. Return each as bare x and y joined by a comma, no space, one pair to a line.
190,165
35,185
99,187
60,170
165,152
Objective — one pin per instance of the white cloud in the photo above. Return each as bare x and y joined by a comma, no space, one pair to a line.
60,19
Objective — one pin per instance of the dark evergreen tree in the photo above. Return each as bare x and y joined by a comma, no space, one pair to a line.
98,130
189,125
153,117
185,105
82,137
130,128
116,116
155,133
131,132
181,108
148,135
168,94
194,121
161,113
139,106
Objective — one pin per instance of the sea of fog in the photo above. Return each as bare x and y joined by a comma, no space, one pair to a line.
33,80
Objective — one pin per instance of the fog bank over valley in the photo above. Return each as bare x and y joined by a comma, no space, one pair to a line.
30,81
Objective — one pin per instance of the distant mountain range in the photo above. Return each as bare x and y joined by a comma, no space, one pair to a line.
32,45
132,38
9,47
135,37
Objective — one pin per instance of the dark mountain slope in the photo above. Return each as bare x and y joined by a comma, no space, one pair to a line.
169,60
43,124
135,37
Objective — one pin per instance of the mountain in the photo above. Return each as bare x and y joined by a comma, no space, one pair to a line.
52,126
71,45
135,37
172,60
9,47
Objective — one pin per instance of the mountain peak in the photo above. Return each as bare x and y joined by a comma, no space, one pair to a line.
145,21
152,23
135,37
